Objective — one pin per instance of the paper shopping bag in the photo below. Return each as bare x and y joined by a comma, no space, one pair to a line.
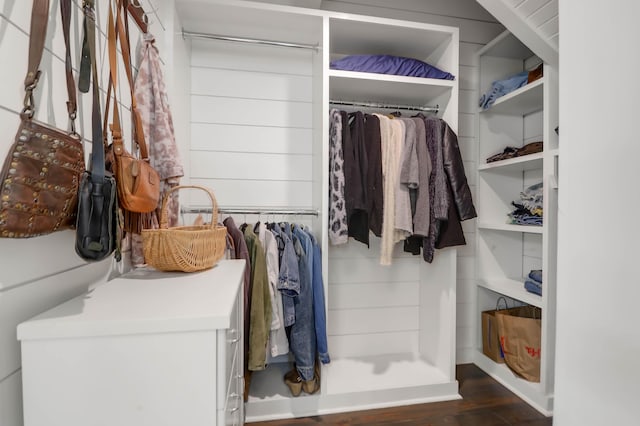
520,338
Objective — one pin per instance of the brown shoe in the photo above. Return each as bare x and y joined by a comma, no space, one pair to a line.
311,386
293,380
530,148
534,74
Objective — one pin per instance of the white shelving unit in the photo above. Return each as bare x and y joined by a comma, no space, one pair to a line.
391,329
506,252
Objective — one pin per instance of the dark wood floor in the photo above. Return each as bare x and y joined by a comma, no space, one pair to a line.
484,403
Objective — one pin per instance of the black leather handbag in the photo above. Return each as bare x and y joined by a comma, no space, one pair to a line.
98,230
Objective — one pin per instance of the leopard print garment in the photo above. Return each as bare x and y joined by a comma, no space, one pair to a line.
338,232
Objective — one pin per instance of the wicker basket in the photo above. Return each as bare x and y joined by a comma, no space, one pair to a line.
185,248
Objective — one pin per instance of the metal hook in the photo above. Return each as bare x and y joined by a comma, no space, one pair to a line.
154,10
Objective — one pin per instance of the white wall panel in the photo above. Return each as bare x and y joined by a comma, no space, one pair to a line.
11,400
252,166
359,345
533,127
250,84
465,291
373,320
468,250
249,57
354,296
550,27
12,77
253,193
465,268
468,53
251,112
467,125
468,150
20,303
468,101
545,13
468,79
238,138
528,7
366,271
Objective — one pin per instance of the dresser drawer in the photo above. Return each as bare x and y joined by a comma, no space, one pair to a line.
229,348
233,408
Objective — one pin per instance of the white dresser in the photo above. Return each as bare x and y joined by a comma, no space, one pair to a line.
145,349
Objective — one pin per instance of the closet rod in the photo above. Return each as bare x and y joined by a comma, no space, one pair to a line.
190,34
256,210
386,106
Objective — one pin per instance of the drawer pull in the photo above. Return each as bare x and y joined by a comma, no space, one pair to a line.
233,410
234,335
234,395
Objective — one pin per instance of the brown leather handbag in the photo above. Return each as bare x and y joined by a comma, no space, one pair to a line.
41,173
138,182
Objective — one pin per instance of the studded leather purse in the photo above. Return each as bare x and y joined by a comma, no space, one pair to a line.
41,173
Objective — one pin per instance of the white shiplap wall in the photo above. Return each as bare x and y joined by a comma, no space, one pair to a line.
251,124
541,15
39,273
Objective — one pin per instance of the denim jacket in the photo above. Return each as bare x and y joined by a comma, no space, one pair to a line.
302,340
289,275
318,303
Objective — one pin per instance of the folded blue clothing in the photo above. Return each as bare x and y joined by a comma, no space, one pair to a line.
502,87
389,64
536,275
525,219
533,287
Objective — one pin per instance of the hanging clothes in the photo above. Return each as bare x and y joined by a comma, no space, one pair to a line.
319,307
260,317
392,139
302,338
460,202
374,173
355,163
416,192
289,275
157,125
278,343
242,252
422,211
451,200
338,231
404,219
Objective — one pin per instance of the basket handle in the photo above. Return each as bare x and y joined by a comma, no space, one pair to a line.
164,221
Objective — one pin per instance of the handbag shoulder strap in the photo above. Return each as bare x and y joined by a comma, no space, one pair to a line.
117,31
97,151
37,35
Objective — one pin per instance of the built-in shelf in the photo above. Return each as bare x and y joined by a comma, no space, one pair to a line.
506,251
390,89
347,375
522,101
513,288
531,229
506,46
517,164
531,392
